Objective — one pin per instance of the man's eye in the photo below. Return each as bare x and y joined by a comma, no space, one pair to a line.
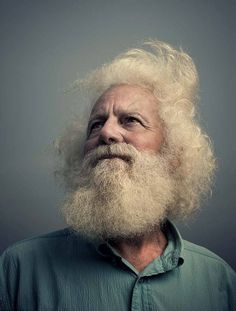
130,120
95,126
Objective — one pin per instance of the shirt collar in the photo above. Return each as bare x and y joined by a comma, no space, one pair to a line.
170,259
174,250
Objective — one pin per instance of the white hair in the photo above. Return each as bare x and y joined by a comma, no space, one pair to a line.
171,76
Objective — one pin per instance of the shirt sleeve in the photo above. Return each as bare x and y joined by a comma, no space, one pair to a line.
8,282
230,286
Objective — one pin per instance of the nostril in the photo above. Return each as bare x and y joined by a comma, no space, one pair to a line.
107,140
102,142
111,140
109,136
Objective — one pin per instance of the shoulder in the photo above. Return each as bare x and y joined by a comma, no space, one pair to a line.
38,241
36,262
200,252
194,255
62,233
52,244
199,258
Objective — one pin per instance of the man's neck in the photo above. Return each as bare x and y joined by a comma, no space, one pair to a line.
142,251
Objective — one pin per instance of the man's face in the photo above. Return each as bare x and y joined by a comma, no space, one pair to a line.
125,114
129,198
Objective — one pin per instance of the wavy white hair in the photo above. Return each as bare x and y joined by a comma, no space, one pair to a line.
171,76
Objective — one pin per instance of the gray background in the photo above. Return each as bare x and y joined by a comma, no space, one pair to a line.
46,44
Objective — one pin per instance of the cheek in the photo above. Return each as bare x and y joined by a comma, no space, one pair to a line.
156,143
149,141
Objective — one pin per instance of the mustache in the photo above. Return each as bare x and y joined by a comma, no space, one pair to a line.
122,151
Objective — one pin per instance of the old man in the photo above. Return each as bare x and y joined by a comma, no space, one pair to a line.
145,162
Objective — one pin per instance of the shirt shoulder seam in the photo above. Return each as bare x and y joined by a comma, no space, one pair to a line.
213,256
57,234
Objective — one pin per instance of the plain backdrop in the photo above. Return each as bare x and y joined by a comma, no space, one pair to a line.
45,45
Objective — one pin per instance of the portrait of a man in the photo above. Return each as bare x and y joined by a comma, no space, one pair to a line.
145,163
118,155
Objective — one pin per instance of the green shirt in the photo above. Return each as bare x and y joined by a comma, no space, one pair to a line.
63,271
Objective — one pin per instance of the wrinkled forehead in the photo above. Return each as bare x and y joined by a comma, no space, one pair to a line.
128,96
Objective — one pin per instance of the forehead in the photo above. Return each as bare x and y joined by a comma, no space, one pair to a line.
126,97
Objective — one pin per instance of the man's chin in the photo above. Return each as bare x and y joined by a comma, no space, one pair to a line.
119,198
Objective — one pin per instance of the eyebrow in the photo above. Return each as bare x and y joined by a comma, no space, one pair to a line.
130,109
102,116
98,116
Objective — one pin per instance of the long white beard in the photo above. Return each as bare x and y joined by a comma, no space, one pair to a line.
120,197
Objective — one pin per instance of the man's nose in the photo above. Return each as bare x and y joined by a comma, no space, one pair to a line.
110,133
